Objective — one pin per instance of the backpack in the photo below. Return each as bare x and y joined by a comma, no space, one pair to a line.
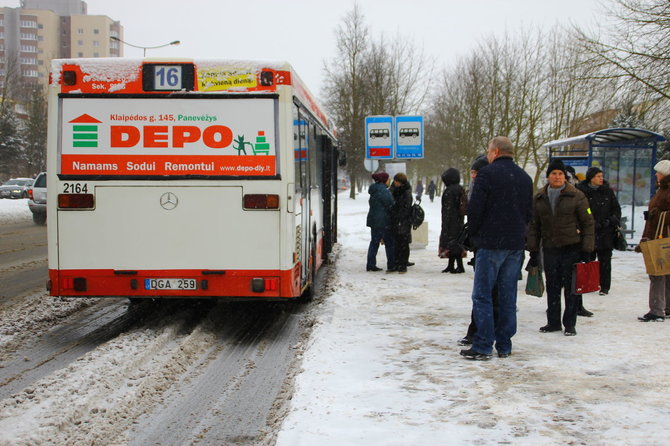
416,215
463,204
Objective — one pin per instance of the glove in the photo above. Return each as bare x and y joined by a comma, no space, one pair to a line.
533,261
642,240
585,256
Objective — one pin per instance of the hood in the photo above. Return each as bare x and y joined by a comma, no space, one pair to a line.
451,176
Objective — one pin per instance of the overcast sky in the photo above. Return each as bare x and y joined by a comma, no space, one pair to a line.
302,32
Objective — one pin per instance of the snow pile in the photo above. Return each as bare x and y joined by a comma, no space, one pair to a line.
14,211
383,367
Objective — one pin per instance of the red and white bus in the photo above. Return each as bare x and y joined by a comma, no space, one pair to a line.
187,178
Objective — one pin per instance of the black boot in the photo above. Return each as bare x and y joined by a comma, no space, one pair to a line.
581,311
450,266
459,266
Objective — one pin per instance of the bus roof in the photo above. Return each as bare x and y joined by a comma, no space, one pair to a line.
123,76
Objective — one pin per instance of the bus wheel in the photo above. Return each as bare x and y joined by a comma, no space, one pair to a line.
309,292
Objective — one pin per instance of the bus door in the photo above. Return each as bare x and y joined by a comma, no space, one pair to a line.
302,193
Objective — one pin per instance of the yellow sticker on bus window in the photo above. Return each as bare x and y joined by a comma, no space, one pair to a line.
219,79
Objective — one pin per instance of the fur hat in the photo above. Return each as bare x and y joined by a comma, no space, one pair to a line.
592,172
479,162
556,164
663,167
380,177
400,178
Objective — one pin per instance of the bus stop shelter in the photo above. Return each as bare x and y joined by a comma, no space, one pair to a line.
626,156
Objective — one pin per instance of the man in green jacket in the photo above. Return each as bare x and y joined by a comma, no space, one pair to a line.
563,224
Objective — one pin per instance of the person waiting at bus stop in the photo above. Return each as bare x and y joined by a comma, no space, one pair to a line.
498,215
401,224
379,222
562,224
607,215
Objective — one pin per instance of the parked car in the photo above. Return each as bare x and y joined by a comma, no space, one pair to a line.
38,199
16,188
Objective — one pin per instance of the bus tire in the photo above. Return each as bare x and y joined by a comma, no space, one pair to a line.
309,292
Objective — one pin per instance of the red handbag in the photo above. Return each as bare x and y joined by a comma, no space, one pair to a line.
586,277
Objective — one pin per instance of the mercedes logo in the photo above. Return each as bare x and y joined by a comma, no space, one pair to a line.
169,201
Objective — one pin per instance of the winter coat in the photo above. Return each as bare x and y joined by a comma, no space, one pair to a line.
402,208
500,206
660,202
571,227
381,203
606,213
452,220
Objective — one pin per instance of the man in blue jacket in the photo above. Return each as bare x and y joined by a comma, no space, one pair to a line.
499,211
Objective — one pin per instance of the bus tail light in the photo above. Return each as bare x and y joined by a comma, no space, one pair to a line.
260,285
261,201
76,201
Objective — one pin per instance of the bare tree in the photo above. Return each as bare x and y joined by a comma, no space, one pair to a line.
635,45
345,89
371,77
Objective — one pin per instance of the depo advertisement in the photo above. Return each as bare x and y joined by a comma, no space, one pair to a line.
167,137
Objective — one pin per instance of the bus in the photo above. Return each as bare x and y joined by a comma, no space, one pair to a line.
187,178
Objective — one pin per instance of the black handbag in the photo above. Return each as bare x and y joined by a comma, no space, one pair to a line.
463,238
620,242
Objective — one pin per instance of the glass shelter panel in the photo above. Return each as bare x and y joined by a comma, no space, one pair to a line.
629,173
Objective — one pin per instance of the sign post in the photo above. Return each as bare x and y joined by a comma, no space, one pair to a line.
379,137
409,137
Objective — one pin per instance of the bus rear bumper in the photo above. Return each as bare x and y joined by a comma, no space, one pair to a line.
175,283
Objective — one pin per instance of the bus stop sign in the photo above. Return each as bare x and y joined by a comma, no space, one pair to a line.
379,137
409,137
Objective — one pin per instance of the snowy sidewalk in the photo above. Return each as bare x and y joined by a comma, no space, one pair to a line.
383,366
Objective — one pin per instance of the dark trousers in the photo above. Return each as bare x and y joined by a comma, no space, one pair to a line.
558,270
402,242
605,258
377,235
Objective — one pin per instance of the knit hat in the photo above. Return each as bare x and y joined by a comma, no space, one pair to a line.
380,177
479,162
400,178
592,172
663,167
556,164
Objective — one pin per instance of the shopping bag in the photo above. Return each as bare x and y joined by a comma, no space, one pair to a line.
534,282
586,277
656,253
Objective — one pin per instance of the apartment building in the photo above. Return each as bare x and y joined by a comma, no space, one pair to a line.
41,30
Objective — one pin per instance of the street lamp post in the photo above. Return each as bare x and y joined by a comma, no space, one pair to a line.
145,48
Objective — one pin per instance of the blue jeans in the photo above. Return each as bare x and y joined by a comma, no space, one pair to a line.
495,268
377,234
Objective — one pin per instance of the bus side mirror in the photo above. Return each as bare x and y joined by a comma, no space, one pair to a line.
342,159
